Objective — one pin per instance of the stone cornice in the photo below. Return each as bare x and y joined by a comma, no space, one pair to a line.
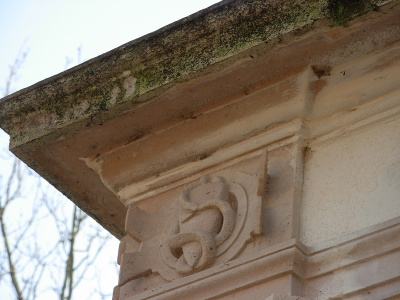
141,70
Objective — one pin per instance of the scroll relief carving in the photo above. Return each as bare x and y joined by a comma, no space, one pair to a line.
214,220
207,217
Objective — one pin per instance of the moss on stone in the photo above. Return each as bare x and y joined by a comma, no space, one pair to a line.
345,10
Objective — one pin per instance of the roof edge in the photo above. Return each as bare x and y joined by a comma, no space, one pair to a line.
138,71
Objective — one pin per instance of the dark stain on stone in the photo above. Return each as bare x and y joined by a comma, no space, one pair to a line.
203,156
321,71
134,138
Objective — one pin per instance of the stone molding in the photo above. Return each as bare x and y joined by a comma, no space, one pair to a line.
318,131
316,267
312,130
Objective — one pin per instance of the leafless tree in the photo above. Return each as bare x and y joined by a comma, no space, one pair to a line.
77,240
11,191
78,247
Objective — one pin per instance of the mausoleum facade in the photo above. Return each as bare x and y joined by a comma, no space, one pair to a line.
249,151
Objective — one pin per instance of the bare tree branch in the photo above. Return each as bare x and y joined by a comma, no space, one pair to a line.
25,261
9,257
14,68
12,192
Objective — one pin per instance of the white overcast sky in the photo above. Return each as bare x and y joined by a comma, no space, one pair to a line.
51,30
54,29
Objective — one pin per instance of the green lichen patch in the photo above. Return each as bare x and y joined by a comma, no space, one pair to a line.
344,10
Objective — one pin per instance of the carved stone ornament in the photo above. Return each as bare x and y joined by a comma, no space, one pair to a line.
214,220
207,219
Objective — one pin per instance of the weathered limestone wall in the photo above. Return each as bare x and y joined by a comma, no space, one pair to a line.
352,182
347,219
322,190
